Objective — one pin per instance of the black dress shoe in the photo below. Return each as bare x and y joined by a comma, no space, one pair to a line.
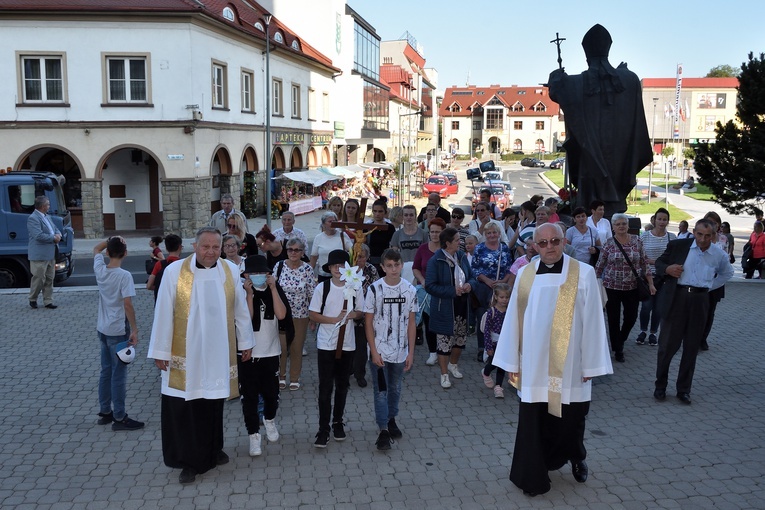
619,356
33,304
660,395
188,475
51,306
362,382
685,398
580,470
221,458
704,347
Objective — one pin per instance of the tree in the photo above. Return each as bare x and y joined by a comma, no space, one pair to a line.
667,151
734,166
723,71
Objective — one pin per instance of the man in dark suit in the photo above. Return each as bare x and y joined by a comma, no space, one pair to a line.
43,238
690,268
435,198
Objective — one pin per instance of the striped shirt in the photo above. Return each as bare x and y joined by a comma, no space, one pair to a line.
654,246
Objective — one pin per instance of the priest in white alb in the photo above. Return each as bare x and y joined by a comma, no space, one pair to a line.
201,319
553,342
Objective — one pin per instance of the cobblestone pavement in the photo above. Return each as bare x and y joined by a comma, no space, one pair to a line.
455,453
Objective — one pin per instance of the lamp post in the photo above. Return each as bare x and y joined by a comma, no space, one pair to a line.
267,19
653,145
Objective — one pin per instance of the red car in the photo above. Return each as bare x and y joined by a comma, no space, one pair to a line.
499,196
441,185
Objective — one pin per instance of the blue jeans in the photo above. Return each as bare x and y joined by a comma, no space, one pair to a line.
386,400
649,310
112,384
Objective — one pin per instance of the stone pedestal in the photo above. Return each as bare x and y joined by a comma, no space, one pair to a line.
92,209
186,205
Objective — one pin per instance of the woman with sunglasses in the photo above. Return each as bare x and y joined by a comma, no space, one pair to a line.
458,215
297,280
248,245
620,282
268,244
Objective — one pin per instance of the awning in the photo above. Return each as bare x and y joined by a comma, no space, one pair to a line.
313,177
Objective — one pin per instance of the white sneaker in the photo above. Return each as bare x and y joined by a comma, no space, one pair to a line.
454,371
305,351
271,433
432,359
487,380
445,381
499,392
255,445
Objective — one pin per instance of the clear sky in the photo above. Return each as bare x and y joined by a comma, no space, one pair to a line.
506,42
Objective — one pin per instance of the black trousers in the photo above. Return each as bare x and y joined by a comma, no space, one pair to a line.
544,443
683,324
192,432
360,354
259,377
333,374
618,299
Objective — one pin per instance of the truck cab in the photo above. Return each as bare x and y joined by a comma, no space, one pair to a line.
17,196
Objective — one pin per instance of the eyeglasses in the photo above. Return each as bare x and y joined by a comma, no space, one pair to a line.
555,241
457,217
294,250
229,245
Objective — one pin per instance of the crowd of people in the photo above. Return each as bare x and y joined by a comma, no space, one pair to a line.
371,294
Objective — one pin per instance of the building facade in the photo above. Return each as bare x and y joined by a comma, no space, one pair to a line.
153,110
497,120
703,103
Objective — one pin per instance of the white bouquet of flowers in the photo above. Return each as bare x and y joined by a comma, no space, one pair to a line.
352,276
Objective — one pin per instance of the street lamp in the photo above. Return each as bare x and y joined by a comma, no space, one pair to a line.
653,146
267,19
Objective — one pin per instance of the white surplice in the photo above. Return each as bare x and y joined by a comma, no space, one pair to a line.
207,356
588,352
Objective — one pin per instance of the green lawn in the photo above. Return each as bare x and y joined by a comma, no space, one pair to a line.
641,207
657,176
702,193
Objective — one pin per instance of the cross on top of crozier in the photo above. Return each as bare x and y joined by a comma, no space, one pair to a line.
360,229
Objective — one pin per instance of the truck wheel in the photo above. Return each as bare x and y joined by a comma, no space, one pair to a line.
11,278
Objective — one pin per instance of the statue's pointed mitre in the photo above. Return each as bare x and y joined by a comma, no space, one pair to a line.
597,42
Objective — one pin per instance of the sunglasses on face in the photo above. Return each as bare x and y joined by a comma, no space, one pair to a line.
231,225
543,243
457,217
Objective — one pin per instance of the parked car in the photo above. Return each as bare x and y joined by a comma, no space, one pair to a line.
532,162
509,191
452,178
490,176
498,196
558,163
439,184
517,152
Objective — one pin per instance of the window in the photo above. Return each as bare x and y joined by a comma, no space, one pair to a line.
366,54
312,104
376,107
43,79
517,145
219,95
278,37
295,101
494,118
517,107
295,45
518,124
248,78
455,124
539,107
325,106
540,124
476,125
127,80
276,97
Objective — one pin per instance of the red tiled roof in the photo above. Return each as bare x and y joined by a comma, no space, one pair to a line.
247,13
395,74
465,97
696,83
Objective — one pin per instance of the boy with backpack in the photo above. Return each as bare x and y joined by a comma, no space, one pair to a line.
116,324
336,344
390,308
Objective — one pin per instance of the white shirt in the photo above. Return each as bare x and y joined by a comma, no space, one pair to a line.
603,228
323,244
588,352
391,306
267,342
207,349
114,285
475,224
326,334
